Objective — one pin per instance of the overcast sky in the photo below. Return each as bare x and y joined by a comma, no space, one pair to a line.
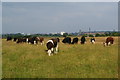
47,17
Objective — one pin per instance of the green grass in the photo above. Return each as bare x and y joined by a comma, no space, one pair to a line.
72,61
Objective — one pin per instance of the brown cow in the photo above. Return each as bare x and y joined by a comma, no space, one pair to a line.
109,41
40,39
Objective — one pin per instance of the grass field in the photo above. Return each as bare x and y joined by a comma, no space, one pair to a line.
72,61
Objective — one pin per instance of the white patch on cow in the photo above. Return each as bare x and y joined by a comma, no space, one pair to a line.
52,49
93,42
56,49
50,41
41,43
49,52
27,40
34,42
109,43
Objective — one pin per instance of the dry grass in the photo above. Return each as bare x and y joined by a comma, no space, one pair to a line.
72,61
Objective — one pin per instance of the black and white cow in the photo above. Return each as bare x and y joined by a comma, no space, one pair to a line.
32,40
58,39
75,40
9,38
21,40
67,40
92,40
14,39
52,46
83,40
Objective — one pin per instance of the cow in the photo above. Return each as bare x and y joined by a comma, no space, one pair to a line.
58,39
9,38
108,41
32,40
92,40
21,40
40,39
75,40
14,39
83,40
52,46
67,40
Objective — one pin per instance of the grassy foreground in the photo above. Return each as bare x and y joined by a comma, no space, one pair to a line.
72,61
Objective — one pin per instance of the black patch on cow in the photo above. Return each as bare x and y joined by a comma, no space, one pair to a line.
83,40
75,40
9,38
67,40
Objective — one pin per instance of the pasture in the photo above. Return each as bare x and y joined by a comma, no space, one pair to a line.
72,61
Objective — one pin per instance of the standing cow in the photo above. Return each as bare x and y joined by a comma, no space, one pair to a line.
67,40
14,39
52,46
109,41
83,40
21,40
9,38
75,40
92,40
32,40
40,39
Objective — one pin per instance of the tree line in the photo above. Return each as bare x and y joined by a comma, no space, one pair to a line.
17,35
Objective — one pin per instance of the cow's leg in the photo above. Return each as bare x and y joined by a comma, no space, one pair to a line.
56,49
42,42
109,43
34,42
27,40
49,52
52,51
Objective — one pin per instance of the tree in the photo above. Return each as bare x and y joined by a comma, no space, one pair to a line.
97,35
65,34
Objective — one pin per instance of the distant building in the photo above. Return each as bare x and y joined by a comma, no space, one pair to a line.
62,33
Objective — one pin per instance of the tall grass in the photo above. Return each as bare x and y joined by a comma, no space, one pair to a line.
72,61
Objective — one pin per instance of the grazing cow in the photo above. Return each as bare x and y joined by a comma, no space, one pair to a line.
67,40
9,38
14,39
92,40
32,40
109,41
52,46
21,40
40,39
75,40
83,40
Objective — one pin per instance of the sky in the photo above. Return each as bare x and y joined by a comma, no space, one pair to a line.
52,17
0,18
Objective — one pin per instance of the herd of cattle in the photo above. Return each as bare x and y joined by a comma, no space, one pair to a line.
52,44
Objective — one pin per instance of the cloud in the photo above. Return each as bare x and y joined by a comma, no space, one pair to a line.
56,17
